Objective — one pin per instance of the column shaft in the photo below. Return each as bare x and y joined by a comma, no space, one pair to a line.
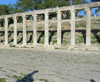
35,29
73,27
46,29
6,30
59,27
15,30
24,30
88,27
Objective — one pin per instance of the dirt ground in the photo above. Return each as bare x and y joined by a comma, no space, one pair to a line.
54,66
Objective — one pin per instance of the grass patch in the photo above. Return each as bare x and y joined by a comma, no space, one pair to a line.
44,80
13,46
81,37
94,42
81,41
13,71
42,42
23,74
31,41
40,27
55,41
80,24
51,27
17,77
93,37
2,79
1,67
43,35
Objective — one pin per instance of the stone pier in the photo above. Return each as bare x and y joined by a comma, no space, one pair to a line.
46,12
6,30
15,30
88,26
24,30
46,28
72,27
35,29
59,27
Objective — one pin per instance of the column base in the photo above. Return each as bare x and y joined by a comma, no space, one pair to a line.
6,45
23,45
58,46
71,47
87,46
34,44
38,46
15,44
49,47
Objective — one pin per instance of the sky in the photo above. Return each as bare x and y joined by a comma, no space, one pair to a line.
7,1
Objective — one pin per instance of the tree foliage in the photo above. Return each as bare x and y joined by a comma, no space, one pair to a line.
76,2
24,5
95,0
29,5
4,10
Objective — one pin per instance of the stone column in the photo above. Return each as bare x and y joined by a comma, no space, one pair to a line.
46,28
24,30
72,27
88,27
15,30
35,29
59,27
6,31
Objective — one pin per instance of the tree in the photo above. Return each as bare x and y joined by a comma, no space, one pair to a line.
97,10
94,0
76,2
24,5
4,10
11,8
29,5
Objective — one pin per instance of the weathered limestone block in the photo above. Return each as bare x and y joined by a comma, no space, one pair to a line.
39,46
49,47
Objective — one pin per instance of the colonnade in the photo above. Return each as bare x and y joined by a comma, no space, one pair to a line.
46,26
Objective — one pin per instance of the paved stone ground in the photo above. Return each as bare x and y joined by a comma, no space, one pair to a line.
55,66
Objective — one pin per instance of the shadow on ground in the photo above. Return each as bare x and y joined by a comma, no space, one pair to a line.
28,78
91,80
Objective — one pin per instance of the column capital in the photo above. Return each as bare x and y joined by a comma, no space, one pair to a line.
15,18
46,13
6,18
59,12
72,10
34,15
88,9
23,16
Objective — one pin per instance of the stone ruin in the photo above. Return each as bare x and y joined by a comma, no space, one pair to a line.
45,12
